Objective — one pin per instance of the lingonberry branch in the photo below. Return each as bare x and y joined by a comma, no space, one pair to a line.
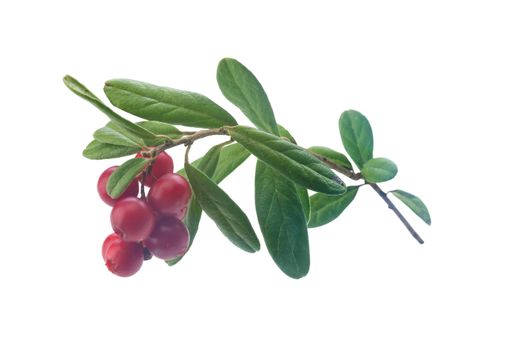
358,176
190,137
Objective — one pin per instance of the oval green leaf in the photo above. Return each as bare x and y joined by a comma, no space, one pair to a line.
414,203
124,175
282,221
334,156
97,150
356,136
80,90
227,215
166,104
292,161
326,208
379,170
241,87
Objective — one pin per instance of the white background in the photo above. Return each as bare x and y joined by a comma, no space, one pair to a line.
439,84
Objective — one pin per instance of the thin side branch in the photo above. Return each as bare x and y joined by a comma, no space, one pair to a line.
391,206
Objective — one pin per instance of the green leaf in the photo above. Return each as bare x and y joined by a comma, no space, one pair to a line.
292,161
80,90
166,104
414,203
242,88
98,150
124,175
207,165
334,156
326,208
356,136
114,134
227,215
159,128
231,157
282,221
379,170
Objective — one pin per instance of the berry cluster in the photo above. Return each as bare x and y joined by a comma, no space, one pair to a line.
147,226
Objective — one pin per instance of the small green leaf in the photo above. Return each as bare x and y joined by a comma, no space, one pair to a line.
334,156
242,88
80,90
124,175
284,133
326,208
227,215
114,134
159,128
292,161
282,221
166,104
98,150
414,203
207,165
356,136
379,170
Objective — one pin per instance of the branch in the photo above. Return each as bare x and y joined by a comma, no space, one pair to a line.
188,139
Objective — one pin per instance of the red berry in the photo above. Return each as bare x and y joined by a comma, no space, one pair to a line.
131,191
132,219
169,239
170,195
112,238
163,165
124,258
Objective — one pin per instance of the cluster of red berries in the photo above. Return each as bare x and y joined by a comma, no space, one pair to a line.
146,227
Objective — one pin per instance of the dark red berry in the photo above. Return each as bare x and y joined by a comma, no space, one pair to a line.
133,219
112,238
131,191
163,164
170,195
124,258
169,239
